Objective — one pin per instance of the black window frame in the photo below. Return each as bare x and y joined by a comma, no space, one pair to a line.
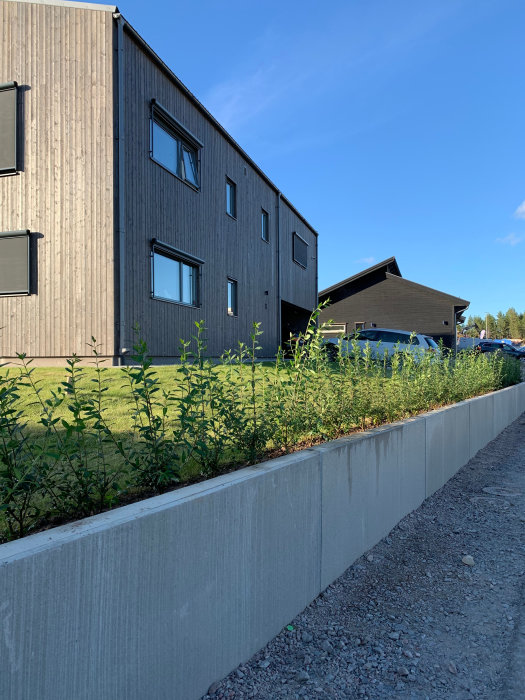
27,289
297,237
265,217
14,168
231,198
184,139
178,256
233,284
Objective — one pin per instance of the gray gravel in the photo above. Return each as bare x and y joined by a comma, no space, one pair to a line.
433,611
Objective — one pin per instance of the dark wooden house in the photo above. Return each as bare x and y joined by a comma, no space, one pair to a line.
123,201
380,297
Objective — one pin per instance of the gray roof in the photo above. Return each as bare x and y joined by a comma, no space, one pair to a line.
391,269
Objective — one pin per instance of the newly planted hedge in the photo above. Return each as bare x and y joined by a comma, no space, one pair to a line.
62,457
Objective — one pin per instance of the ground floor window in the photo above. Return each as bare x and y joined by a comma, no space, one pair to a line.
14,262
232,297
174,278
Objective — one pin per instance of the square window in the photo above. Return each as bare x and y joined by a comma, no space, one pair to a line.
174,148
232,298
174,279
300,250
231,198
8,128
14,263
265,232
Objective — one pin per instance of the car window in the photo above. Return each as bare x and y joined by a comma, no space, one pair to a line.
363,335
431,342
398,337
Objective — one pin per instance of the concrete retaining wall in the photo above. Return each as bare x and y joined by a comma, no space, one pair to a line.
158,599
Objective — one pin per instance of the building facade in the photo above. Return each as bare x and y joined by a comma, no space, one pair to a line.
124,202
380,297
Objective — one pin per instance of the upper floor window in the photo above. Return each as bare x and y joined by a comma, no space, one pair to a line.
175,277
14,262
8,135
299,250
173,147
265,231
231,198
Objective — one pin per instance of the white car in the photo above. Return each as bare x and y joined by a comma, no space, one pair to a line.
382,341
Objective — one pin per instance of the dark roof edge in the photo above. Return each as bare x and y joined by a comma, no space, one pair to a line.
202,109
460,302
363,273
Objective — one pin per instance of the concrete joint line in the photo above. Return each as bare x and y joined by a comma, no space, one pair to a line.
321,543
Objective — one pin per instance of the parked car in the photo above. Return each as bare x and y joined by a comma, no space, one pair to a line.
382,341
504,348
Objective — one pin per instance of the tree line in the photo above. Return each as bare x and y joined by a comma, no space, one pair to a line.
504,325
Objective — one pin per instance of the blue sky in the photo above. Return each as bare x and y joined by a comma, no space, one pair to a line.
396,128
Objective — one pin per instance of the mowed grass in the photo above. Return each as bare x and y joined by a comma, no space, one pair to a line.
118,402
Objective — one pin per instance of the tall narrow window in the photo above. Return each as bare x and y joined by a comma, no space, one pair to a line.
299,250
231,198
174,278
14,262
265,233
232,298
8,136
174,147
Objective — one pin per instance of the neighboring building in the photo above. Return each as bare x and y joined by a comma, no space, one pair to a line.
123,201
380,297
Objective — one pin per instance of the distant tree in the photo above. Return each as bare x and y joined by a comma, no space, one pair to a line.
502,325
510,324
515,323
491,326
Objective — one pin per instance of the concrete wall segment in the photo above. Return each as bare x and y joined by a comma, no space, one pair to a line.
173,598
161,598
481,422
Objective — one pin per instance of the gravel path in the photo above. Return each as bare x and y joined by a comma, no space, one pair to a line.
432,611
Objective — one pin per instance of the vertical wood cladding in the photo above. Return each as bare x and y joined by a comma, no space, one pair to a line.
298,284
393,302
159,205
66,193
62,59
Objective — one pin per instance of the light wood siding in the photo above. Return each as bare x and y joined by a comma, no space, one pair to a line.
62,59
392,302
298,285
158,205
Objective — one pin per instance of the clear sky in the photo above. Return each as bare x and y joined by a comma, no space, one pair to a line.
394,127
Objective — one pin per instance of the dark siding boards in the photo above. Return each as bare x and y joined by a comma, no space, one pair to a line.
391,302
64,60
298,285
159,205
